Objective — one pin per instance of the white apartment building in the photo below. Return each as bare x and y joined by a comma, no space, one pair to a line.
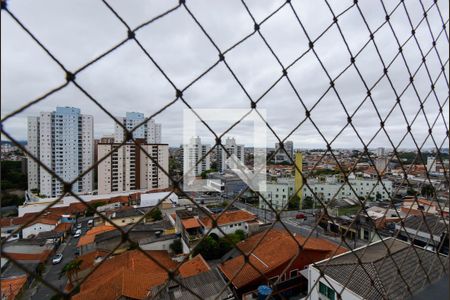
129,168
281,155
331,186
192,153
63,141
277,193
150,131
232,148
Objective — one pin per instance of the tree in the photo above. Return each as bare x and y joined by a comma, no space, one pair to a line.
427,190
378,196
71,270
294,203
308,202
90,211
411,192
176,246
240,234
156,214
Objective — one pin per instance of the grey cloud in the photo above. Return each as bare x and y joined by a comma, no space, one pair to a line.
126,80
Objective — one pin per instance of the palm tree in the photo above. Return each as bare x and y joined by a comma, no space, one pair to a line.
71,270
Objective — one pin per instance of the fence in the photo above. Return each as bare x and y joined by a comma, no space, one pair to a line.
422,112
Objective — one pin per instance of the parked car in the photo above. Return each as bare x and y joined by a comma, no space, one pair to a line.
90,223
79,226
77,233
57,259
300,216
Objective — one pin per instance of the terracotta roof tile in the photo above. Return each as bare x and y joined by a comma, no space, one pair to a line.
194,266
12,286
63,227
131,274
41,257
229,217
89,237
276,248
191,223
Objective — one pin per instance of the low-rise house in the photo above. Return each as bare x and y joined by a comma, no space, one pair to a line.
378,276
47,222
130,275
12,287
207,285
230,221
425,231
150,236
421,206
276,261
124,217
86,242
188,226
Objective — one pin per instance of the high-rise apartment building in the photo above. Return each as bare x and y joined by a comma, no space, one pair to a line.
192,153
150,131
281,155
231,148
63,141
129,167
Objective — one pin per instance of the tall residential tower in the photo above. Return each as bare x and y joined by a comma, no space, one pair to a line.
150,131
63,141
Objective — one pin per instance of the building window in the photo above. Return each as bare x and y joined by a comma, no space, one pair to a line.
327,291
293,274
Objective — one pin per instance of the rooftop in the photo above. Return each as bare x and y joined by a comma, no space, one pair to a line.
416,266
276,248
229,217
12,286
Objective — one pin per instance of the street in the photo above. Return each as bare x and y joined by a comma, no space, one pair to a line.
52,272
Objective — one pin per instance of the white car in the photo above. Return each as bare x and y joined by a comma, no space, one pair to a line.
57,259
79,226
90,222
77,233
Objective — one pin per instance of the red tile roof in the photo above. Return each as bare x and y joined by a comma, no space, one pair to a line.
41,257
130,274
276,249
89,237
191,223
194,266
12,286
63,227
229,217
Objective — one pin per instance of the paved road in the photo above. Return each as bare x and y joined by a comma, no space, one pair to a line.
52,272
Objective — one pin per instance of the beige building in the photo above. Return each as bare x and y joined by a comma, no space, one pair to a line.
129,168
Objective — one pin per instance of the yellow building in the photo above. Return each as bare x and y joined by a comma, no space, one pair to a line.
298,177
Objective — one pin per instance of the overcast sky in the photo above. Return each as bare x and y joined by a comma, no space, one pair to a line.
126,80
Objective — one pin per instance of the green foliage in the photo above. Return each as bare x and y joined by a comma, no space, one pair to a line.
11,199
213,247
90,211
324,172
156,214
350,210
294,203
427,190
307,202
12,176
205,173
71,270
176,246
411,192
